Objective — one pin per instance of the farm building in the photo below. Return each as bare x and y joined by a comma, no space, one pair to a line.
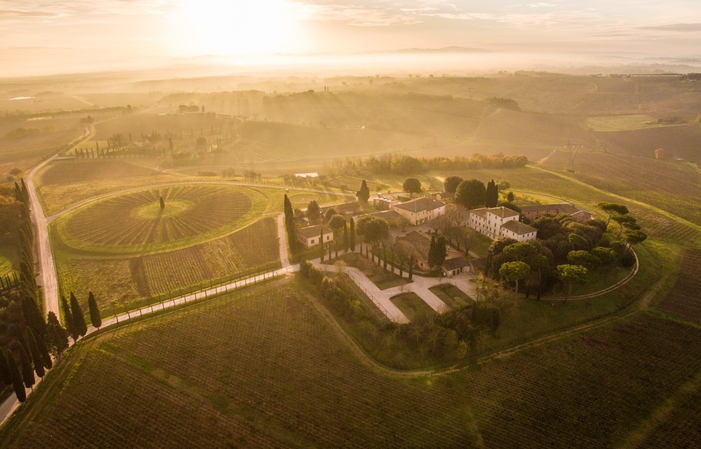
536,211
488,221
518,231
456,265
420,210
498,222
311,235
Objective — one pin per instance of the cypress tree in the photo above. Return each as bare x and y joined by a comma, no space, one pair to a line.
95,317
432,252
321,245
5,374
162,201
68,319
37,360
351,237
17,384
27,370
411,267
33,317
364,193
346,243
78,316
44,352
56,336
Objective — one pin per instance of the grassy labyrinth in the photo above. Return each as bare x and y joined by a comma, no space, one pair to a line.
136,221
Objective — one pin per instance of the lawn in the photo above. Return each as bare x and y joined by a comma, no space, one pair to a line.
452,296
384,279
413,307
523,319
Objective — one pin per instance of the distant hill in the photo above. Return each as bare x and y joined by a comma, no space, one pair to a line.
452,49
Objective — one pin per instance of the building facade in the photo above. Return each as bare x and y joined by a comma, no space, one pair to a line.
495,222
311,235
420,210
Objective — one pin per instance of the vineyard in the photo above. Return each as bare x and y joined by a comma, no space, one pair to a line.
137,221
684,300
254,375
589,391
133,279
64,172
669,185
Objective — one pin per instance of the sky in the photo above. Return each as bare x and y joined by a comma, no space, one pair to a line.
38,37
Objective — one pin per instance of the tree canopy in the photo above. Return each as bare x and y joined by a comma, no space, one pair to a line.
450,184
411,186
372,229
313,212
471,194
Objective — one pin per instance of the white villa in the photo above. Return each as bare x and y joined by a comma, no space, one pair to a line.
420,210
311,235
495,222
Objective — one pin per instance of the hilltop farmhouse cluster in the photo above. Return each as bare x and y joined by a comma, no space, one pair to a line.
492,222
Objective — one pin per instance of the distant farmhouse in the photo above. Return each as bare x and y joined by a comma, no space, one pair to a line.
495,222
538,210
420,210
311,235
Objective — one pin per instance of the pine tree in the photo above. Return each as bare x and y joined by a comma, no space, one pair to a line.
95,317
56,336
37,360
5,374
351,237
68,319
78,316
17,384
27,370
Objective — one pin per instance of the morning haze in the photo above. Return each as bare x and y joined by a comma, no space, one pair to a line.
370,224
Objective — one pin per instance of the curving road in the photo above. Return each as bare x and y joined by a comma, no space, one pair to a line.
47,269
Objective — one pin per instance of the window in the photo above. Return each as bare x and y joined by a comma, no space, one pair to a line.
312,241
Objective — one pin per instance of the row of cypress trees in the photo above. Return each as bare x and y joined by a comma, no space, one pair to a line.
74,316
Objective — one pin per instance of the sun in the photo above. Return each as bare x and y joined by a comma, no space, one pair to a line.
236,27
